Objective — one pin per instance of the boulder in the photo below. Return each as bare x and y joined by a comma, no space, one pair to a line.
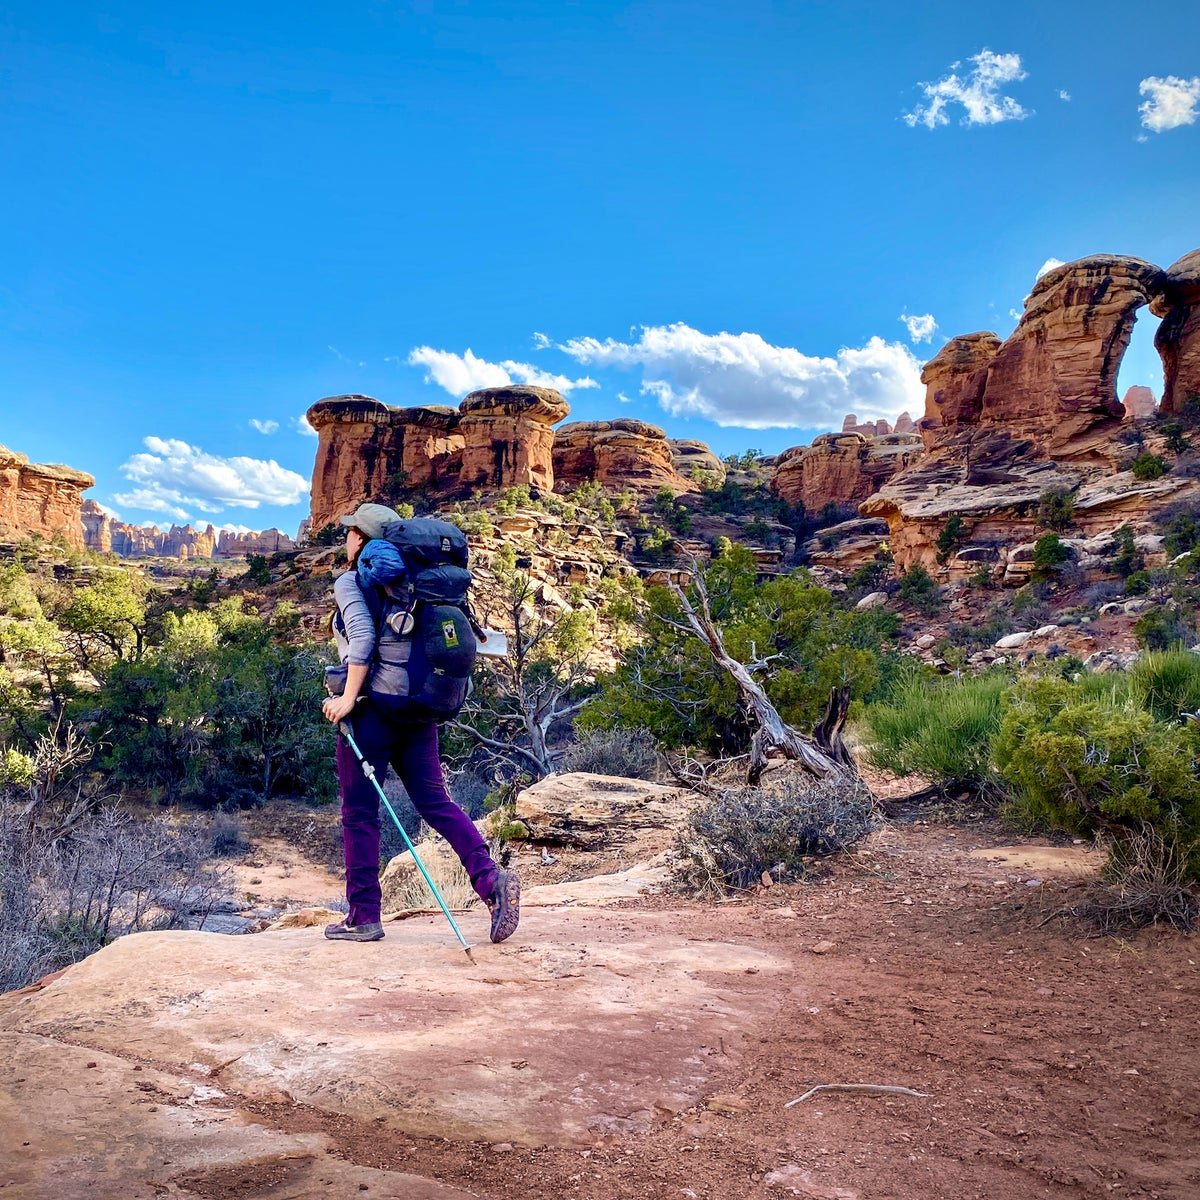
1178,337
1013,641
872,600
42,499
623,453
587,810
849,545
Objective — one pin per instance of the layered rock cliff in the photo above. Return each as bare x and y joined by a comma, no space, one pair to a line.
841,468
1007,422
1178,337
624,453
498,437
41,499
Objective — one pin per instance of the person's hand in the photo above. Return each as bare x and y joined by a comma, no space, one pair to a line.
338,708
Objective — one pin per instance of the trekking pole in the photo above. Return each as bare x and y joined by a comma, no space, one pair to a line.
369,771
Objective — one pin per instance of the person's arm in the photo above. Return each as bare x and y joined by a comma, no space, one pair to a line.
360,638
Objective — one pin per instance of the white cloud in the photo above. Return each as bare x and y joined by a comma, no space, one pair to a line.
1048,266
540,341
1172,102
264,426
459,374
624,399
1015,313
744,381
153,500
174,474
302,426
978,93
920,328
240,530
1064,95
111,513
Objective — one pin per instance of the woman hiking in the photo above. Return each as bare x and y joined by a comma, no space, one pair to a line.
411,748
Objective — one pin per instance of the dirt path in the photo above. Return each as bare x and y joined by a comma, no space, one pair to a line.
1054,1066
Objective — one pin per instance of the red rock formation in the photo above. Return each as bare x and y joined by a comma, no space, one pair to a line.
841,468
238,545
508,437
954,380
623,453
41,498
1055,378
1178,337
97,527
905,424
691,457
1138,403
366,450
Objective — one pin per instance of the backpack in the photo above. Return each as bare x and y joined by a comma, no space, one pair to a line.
415,581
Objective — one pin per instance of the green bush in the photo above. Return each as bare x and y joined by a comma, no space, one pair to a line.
1160,629
938,728
1149,466
1093,765
1056,508
1049,554
953,535
1126,559
918,589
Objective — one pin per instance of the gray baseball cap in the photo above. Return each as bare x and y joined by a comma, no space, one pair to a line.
369,519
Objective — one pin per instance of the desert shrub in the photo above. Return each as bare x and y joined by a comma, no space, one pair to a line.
1089,764
258,571
1161,628
1137,584
918,589
227,836
1166,683
631,753
1149,466
938,728
1056,508
61,901
1049,554
729,841
953,535
1126,559
1180,526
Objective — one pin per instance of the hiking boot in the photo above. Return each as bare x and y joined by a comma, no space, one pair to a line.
343,931
505,905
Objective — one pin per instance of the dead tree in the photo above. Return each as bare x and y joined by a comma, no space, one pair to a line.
772,732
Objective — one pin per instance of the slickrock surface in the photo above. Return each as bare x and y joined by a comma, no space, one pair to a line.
41,498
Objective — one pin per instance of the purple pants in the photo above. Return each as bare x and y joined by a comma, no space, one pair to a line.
412,751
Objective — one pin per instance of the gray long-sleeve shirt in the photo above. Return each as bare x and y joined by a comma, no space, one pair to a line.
357,647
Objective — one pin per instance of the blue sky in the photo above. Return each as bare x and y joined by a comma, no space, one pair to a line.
710,216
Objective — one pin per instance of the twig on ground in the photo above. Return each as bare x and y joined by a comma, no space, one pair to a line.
886,1088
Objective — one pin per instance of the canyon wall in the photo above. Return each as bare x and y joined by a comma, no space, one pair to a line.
41,499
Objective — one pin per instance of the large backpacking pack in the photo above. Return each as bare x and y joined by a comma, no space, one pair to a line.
415,581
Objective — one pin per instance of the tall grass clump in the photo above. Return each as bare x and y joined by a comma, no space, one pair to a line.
1166,683
941,729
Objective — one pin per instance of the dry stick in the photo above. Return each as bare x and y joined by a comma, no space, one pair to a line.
887,1088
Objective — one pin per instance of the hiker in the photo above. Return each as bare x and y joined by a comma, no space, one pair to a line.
411,747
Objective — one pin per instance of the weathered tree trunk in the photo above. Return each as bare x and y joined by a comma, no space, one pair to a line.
773,733
827,733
